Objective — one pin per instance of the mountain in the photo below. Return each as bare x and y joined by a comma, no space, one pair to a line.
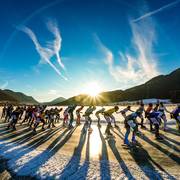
16,97
160,87
6,97
55,101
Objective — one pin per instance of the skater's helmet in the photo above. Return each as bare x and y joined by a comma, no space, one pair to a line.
116,108
129,107
150,104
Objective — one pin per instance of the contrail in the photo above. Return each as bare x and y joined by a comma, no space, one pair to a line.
45,52
156,11
57,41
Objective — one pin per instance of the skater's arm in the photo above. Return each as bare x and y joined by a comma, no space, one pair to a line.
165,109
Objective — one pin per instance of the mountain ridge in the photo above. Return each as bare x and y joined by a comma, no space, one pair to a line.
160,87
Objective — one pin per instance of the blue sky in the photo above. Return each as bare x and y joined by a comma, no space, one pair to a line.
55,48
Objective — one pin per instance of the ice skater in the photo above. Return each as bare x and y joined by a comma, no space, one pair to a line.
14,118
97,114
71,115
175,115
148,110
141,110
87,115
108,115
163,109
40,118
78,114
155,119
131,125
66,116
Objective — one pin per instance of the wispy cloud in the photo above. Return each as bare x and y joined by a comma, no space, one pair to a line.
136,68
157,10
50,49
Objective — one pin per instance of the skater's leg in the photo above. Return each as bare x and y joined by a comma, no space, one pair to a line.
126,141
90,122
71,119
107,131
165,122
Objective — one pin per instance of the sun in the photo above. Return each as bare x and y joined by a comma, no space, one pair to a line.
92,89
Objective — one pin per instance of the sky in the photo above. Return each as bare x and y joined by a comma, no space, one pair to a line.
57,48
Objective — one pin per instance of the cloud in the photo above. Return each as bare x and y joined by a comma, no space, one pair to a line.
138,67
156,11
51,49
3,86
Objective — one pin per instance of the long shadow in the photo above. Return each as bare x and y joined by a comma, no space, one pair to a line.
166,132
104,159
119,135
119,130
6,131
27,137
83,170
168,138
165,142
113,147
173,131
16,134
165,151
172,140
33,145
3,125
74,162
43,157
143,159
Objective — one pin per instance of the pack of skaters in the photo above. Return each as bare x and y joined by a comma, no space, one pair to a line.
108,115
78,115
175,115
14,119
88,120
131,125
97,114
